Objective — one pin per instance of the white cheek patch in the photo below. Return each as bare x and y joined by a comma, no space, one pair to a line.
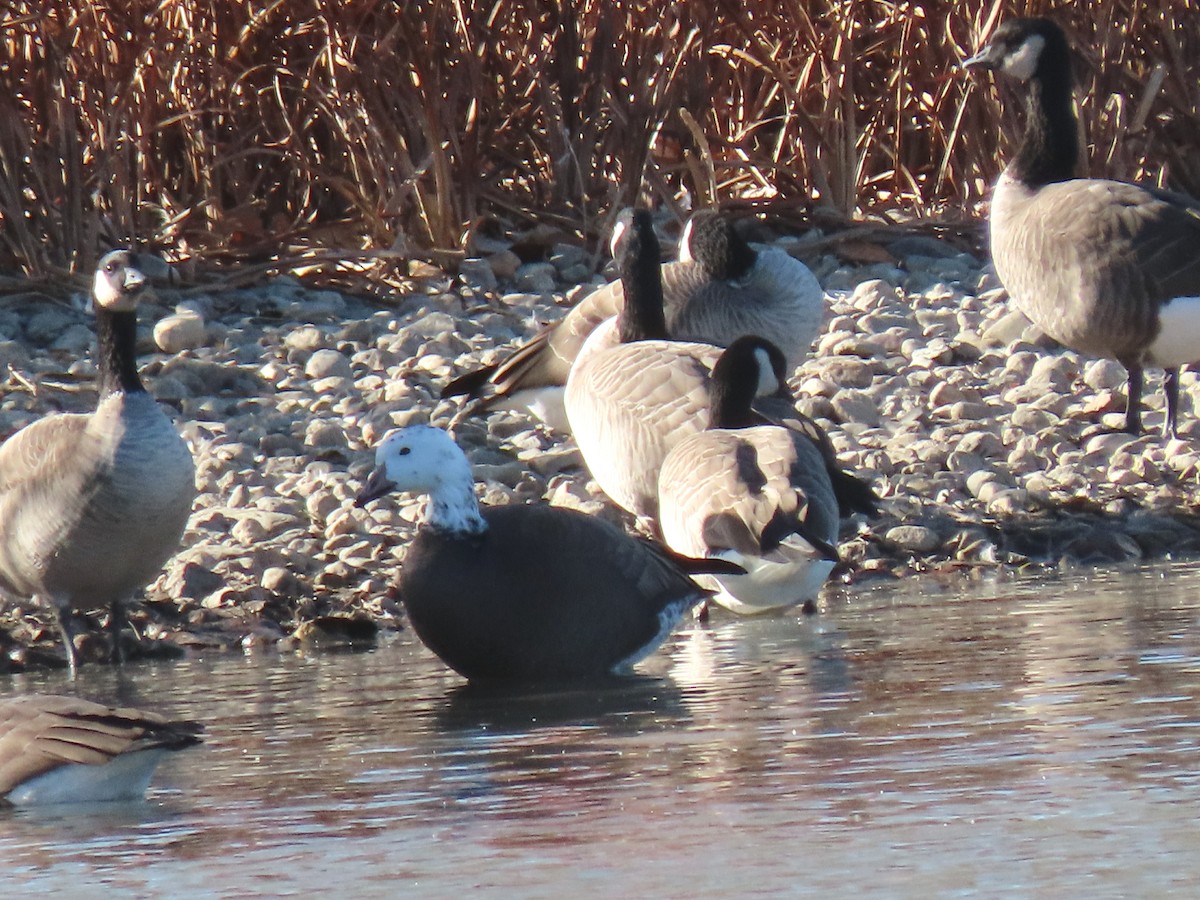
685,243
1022,63
103,292
1178,341
615,241
768,383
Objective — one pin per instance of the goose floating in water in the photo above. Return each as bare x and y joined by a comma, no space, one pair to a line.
56,749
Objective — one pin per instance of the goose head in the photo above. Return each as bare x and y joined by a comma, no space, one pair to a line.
119,282
417,458
710,241
426,460
1022,49
751,367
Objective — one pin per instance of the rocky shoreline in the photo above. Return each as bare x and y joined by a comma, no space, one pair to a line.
990,449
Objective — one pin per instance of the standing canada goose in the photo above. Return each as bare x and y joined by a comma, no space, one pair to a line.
524,592
65,750
92,505
1104,267
720,288
760,495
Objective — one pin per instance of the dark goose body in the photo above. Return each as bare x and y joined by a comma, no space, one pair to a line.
544,593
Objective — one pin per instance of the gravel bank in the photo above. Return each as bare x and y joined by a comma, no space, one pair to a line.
989,449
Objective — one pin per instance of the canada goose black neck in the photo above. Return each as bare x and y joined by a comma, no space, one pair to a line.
1050,148
749,368
642,317
117,337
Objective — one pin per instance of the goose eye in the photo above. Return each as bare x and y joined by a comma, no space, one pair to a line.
110,267
404,451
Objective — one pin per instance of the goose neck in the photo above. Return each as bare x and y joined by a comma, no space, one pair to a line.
454,509
117,337
1049,151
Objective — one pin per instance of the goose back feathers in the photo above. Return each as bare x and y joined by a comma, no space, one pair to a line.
56,749
525,593
760,495
1105,267
721,288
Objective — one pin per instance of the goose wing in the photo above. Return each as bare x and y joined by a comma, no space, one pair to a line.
746,490
545,360
39,733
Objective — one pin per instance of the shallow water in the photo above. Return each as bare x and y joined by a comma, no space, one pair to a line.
930,738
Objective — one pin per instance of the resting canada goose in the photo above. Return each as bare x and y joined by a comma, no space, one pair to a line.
92,505
524,592
1104,267
65,750
720,288
757,494
628,404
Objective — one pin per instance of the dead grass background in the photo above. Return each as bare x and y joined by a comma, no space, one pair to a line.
242,132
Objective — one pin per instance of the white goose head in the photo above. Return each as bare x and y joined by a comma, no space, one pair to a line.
424,459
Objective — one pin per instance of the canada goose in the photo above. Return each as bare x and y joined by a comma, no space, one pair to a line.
1104,267
57,749
628,404
525,592
760,495
92,505
720,288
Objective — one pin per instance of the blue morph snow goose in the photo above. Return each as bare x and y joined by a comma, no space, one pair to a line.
531,593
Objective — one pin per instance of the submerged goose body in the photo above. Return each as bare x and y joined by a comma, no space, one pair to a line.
524,593
1107,268
92,505
720,289
57,749
759,495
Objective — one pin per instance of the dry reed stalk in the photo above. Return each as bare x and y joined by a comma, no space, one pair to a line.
247,133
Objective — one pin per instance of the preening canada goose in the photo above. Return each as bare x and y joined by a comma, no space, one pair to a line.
524,592
57,749
720,288
92,505
1104,267
760,495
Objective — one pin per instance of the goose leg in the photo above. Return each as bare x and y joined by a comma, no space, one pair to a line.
1171,390
1133,401
62,614
117,620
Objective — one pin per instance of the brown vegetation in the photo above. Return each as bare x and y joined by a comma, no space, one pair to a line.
245,130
